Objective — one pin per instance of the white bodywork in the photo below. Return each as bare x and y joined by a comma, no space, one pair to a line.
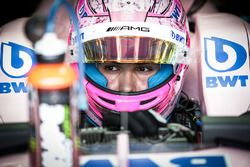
220,68
13,100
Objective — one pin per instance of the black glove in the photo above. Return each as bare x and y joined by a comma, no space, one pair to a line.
140,123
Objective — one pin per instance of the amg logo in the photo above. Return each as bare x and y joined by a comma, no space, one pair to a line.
120,28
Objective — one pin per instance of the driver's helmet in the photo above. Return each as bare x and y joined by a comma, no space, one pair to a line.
133,31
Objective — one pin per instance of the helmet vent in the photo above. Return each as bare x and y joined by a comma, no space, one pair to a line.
147,101
107,100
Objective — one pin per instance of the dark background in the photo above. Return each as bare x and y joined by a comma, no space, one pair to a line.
12,9
238,7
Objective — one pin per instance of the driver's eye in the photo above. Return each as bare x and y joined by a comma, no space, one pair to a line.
111,68
144,69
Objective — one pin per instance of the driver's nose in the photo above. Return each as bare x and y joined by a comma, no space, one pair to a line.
127,82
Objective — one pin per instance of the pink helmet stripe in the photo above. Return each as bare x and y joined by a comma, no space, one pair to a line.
127,103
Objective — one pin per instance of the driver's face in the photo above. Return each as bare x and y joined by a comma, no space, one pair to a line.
128,77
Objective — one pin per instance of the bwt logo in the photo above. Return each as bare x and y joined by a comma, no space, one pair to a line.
177,37
81,11
176,13
15,62
74,39
224,56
